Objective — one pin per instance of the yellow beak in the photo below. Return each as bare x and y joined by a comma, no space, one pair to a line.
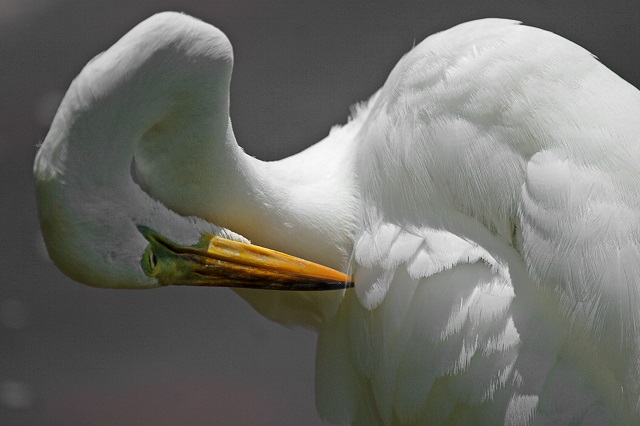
219,262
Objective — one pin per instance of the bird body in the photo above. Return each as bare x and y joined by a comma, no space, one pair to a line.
485,200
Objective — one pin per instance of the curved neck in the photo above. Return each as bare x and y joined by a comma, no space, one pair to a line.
304,204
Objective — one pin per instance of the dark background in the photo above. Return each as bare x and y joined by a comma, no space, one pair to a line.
70,354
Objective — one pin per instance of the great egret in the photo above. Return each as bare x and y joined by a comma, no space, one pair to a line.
486,200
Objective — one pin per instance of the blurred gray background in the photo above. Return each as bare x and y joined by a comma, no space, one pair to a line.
73,355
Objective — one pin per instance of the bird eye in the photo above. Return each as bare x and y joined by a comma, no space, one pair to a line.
153,260
149,261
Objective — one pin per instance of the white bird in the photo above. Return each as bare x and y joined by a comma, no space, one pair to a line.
486,201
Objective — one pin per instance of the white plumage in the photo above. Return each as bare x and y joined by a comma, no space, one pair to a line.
486,200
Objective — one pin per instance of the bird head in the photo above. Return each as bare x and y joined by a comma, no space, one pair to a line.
154,104
117,236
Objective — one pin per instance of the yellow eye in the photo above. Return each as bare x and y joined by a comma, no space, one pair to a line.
149,261
153,260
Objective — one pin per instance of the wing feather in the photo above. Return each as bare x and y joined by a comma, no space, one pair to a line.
497,264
